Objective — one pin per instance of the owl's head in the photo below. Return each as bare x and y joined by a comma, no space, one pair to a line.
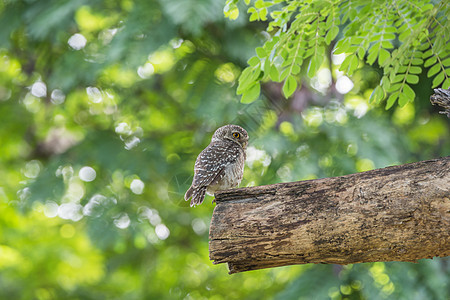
233,133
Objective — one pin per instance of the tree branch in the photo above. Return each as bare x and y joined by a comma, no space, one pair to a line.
399,213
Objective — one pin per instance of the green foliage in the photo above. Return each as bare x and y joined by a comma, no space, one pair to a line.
402,37
98,142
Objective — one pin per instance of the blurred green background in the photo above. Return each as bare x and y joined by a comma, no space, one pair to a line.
104,106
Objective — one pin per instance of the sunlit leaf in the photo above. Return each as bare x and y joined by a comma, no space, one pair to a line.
377,95
273,73
433,70
289,86
432,60
409,92
438,79
383,56
331,34
341,46
251,94
403,100
413,79
391,100
446,83
261,52
253,61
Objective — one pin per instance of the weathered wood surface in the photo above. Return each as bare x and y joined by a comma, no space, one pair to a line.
399,213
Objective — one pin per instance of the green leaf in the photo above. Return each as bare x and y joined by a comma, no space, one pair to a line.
345,63
341,46
284,73
289,87
251,94
244,80
385,83
383,56
391,100
432,60
295,69
433,70
274,75
247,78
350,64
377,95
402,100
314,65
263,14
253,14
388,36
415,70
372,56
387,44
413,79
261,52
288,62
417,61
427,54
409,92
357,40
251,10
361,53
446,84
401,69
438,45
446,62
259,4
404,35
331,34
253,61
266,68
271,43
398,78
427,7
231,11
354,63
394,87
438,79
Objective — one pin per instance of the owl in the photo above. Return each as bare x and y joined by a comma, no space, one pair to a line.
219,166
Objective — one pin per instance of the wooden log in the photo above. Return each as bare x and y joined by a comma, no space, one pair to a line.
399,213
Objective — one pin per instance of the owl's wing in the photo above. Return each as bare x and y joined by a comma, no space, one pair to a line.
209,168
211,163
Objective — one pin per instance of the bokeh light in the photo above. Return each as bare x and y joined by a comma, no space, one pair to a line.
87,174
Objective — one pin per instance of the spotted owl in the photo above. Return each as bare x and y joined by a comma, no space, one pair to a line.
219,166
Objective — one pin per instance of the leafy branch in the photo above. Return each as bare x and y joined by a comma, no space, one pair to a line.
403,36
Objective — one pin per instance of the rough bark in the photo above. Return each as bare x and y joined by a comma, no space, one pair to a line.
399,213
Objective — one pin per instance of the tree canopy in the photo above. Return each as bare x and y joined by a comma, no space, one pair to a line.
106,104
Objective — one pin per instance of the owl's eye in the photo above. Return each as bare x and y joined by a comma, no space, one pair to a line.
236,134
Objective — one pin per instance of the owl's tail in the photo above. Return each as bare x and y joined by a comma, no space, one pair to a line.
197,194
188,194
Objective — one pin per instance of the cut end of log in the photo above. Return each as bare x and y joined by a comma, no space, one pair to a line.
399,213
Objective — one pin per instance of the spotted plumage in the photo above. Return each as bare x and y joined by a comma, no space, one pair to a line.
219,166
